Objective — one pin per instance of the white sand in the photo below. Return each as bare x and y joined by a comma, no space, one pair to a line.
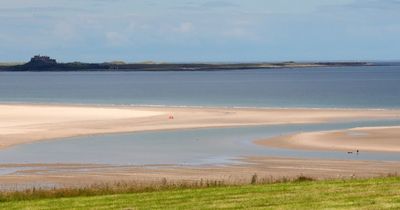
376,139
28,123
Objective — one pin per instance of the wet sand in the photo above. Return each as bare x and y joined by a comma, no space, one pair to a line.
372,139
266,168
21,123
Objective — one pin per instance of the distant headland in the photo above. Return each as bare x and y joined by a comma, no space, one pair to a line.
45,63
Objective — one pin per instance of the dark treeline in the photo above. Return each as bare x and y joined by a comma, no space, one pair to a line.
44,63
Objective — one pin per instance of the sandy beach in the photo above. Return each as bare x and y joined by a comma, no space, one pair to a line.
21,123
373,139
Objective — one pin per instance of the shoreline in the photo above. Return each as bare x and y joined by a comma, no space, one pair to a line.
44,63
195,106
27,123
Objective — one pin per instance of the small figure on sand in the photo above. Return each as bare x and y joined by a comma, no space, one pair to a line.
357,151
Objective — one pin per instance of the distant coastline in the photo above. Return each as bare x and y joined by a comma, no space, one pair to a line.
45,63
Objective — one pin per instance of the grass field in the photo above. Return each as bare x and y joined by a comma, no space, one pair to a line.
379,193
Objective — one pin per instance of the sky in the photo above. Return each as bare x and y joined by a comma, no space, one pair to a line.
200,30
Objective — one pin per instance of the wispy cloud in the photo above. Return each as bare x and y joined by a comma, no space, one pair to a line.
204,6
218,4
185,27
375,4
186,30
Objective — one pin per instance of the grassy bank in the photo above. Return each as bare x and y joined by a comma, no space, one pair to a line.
379,193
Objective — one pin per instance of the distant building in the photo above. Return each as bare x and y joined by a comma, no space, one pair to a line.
38,59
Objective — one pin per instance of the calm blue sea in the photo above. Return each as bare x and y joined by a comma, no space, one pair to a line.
343,87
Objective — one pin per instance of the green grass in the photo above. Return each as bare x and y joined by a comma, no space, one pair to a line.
379,193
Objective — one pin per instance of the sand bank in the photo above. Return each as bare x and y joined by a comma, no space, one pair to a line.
28,123
375,139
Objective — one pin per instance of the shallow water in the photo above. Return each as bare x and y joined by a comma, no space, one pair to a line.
215,146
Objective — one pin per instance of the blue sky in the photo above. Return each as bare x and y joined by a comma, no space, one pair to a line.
200,30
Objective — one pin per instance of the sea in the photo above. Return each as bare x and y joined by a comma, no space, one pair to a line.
341,87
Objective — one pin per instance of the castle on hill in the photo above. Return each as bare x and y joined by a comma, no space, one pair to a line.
38,59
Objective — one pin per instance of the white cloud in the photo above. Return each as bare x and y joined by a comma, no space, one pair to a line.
185,27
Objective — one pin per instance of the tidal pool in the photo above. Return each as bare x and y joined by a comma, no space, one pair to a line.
216,146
